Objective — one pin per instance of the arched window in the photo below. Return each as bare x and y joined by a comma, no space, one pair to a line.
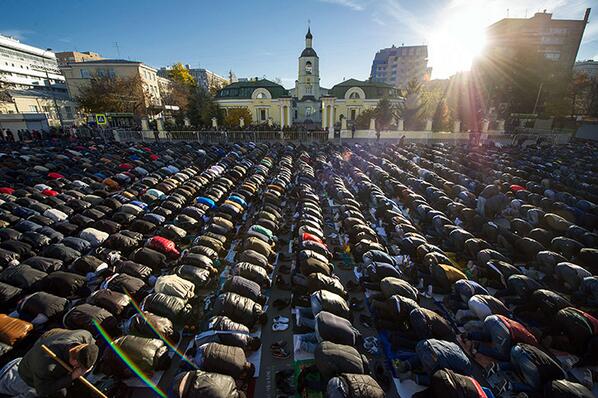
308,111
308,68
354,95
261,95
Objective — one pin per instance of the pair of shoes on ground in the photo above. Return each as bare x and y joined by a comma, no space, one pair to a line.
280,323
371,345
279,350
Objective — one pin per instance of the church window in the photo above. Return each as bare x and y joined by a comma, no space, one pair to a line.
308,111
308,90
308,68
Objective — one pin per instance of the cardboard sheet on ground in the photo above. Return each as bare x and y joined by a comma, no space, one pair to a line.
407,388
256,357
301,355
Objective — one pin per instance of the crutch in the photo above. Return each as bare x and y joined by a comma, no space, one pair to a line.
65,365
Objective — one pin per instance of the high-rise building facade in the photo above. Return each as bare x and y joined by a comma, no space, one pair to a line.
398,65
554,40
34,82
526,63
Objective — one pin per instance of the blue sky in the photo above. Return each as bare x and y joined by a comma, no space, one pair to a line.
265,37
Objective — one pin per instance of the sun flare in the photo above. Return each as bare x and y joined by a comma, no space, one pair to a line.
455,43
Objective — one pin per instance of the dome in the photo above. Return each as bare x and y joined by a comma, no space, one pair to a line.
309,52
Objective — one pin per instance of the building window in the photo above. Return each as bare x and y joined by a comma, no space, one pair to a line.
85,74
33,108
262,115
308,90
353,114
308,111
552,56
354,95
69,112
260,95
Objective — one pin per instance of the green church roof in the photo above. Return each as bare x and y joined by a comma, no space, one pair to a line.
243,90
373,90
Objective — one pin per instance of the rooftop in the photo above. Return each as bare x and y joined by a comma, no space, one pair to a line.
371,88
244,89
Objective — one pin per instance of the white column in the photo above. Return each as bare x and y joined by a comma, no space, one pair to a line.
485,124
324,115
289,115
282,116
501,126
372,124
400,124
457,126
428,125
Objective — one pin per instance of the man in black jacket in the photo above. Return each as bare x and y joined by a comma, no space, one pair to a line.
44,374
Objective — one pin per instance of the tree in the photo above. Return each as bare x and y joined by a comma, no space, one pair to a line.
441,120
362,121
202,108
578,94
113,94
384,114
234,114
179,74
411,110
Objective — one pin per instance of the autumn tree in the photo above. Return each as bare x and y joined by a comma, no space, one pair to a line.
113,94
233,116
181,75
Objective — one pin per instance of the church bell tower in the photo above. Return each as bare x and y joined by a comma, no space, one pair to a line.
308,82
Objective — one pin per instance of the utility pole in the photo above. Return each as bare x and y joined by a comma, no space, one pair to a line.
117,49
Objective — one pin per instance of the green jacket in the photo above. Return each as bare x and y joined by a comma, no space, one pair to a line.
43,373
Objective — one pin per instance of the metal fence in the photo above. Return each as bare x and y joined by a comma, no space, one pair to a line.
214,137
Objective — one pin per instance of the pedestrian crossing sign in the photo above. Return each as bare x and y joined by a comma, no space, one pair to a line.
101,119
